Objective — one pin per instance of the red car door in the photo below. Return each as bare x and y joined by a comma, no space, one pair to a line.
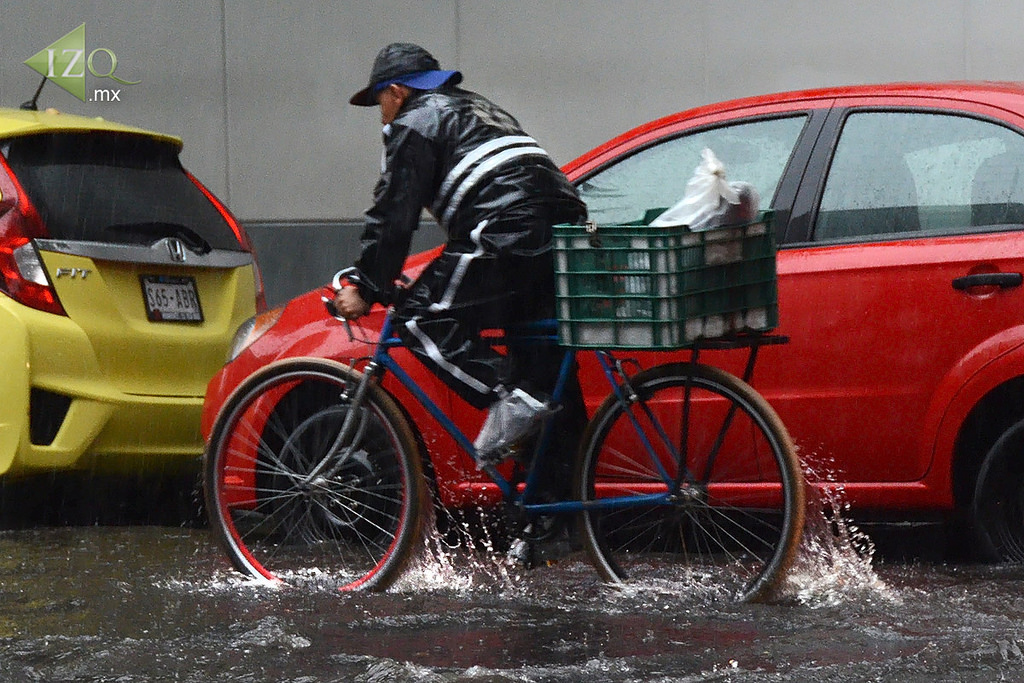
907,278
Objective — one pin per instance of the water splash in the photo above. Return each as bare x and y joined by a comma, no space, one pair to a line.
834,563
220,583
468,556
465,555
268,632
689,586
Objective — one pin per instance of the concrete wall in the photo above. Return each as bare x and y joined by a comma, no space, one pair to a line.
259,89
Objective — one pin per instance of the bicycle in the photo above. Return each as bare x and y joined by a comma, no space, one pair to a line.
313,469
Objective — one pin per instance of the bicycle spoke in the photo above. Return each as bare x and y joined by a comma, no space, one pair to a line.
290,492
737,527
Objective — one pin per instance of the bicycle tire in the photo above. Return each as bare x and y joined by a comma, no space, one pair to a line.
356,525
737,522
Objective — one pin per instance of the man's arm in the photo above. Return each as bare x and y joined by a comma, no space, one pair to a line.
402,191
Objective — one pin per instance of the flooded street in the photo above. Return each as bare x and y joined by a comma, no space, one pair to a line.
160,603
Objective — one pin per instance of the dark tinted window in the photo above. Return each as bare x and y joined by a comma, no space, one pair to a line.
900,174
115,188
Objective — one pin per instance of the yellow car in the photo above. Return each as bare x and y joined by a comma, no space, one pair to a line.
122,282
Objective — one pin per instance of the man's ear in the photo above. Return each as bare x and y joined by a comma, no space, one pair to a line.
401,92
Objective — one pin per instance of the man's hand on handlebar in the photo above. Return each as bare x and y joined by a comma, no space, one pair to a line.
349,304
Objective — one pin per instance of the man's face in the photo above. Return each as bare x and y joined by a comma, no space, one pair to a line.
390,100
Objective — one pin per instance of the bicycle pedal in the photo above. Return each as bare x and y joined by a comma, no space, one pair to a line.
496,457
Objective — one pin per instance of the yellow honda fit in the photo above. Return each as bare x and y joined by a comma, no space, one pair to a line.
122,282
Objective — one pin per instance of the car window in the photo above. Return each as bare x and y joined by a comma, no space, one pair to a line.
900,174
115,188
755,152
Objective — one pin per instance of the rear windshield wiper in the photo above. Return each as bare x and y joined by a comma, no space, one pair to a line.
159,230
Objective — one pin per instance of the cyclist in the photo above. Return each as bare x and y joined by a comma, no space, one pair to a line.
496,193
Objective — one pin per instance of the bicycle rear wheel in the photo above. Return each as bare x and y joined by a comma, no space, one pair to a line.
733,524
352,524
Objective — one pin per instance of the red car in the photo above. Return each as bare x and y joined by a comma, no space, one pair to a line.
899,212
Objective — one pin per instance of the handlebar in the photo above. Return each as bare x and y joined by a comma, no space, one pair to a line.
328,302
341,275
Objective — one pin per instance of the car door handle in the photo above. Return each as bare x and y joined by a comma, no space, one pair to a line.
1003,280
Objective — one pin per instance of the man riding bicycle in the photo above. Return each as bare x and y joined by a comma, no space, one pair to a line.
496,193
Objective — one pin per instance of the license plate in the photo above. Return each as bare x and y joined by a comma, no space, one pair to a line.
171,299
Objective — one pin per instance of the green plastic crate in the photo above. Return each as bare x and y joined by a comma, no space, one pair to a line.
634,286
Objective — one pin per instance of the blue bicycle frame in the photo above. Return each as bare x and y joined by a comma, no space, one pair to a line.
544,332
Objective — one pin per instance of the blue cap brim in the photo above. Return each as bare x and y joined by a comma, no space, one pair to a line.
427,80
421,80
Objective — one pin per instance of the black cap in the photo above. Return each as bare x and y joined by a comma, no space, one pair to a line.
407,64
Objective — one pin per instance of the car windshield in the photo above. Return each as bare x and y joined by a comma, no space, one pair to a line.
115,188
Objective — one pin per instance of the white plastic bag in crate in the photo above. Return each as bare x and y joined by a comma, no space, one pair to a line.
710,200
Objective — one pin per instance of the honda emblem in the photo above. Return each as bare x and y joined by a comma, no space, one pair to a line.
176,248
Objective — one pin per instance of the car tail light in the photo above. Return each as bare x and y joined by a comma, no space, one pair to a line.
22,274
243,239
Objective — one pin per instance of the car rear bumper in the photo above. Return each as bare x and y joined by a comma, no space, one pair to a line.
62,411
119,434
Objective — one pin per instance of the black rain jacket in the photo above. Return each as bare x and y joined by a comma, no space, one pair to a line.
465,160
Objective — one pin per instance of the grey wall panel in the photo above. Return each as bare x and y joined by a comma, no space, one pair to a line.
993,48
297,148
578,73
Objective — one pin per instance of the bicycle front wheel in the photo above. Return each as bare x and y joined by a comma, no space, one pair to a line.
694,478
290,501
